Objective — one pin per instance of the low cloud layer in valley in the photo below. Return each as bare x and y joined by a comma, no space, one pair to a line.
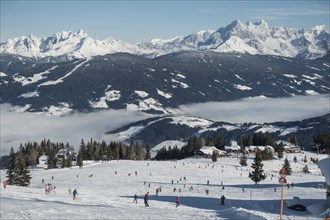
260,110
19,128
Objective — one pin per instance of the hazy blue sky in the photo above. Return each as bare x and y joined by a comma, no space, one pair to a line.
139,21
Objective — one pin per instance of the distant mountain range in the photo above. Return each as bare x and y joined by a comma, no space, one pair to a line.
252,38
72,72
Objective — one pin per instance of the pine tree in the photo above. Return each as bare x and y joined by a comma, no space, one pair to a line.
257,174
214,156
22,174
80,161
280,151
305,169
305,159
11,167
63,163
243,159
286,166
148,155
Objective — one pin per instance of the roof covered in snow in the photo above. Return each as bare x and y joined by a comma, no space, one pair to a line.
209,150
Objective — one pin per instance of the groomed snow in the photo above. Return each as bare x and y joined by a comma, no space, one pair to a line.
110,196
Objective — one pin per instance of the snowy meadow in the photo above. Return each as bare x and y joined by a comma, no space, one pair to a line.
103,194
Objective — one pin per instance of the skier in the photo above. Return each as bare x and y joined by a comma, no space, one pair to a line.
52,177
135,199
222,200
146,204
4,184
42,181
75,193
274,188
177,201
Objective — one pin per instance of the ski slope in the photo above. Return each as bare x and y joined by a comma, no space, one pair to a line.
107,195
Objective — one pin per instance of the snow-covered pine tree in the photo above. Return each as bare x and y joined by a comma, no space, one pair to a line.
257,174
11,166
287,166
22,174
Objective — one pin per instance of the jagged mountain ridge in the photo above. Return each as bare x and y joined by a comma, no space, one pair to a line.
252,38
126,81
153,131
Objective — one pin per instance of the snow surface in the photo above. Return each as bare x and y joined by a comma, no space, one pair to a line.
166,144
2,74
164,94
311,92
110,196
253,38
192,122
142,94
60,80
29,95
242,87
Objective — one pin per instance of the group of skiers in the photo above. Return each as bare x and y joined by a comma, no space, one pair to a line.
50,188
146,200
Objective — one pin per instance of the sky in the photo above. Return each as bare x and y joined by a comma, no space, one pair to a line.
141,21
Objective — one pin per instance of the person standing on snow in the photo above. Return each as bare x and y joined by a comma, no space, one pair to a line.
135,199
222,200
177,201
4,184
146,204
75,193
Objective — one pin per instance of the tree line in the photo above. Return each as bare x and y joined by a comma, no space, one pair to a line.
29,153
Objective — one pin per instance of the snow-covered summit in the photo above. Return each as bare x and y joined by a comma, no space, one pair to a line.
253,38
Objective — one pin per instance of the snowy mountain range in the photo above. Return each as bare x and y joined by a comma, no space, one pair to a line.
131,82
178,128
252,38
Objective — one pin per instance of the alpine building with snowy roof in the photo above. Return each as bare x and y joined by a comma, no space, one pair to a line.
207,151
289,147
